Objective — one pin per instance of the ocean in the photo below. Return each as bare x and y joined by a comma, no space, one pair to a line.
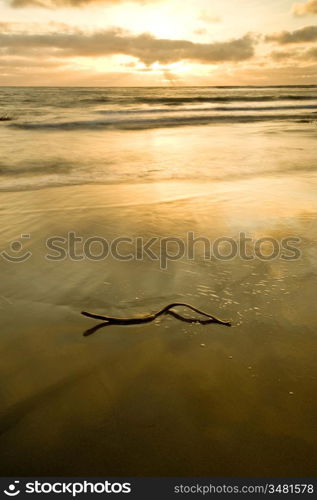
76,136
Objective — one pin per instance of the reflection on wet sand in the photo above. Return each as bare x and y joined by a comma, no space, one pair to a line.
168,397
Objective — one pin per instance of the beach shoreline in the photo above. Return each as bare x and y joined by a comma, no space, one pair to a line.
165,399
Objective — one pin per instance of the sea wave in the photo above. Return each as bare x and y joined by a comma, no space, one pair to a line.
145,111
36,168
228,98
161,122
31,182
179,100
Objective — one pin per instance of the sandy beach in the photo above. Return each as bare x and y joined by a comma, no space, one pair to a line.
167,398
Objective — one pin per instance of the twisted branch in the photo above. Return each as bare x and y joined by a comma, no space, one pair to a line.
109,320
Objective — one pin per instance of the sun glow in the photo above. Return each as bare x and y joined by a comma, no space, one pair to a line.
177,67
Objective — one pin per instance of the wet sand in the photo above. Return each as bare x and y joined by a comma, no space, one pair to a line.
166,398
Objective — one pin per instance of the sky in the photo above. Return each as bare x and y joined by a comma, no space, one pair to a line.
158,42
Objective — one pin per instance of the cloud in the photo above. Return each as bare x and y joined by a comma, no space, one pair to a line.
200,31
312,54
144,47
206,17
304,56
26,63
281,55
302,35
53,4
290,75
303,9
34,27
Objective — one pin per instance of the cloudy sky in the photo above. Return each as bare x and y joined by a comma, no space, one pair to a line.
158,42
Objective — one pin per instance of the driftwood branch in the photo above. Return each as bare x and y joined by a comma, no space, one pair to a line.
148,318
